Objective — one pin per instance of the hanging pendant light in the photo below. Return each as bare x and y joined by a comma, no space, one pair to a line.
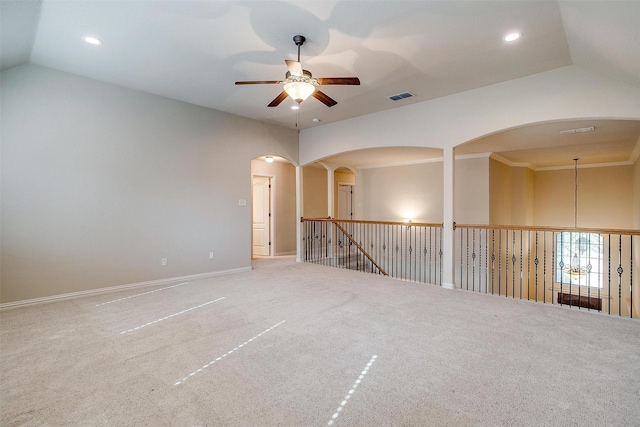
575,196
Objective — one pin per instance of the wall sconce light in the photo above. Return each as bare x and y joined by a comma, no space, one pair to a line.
268,159
408,222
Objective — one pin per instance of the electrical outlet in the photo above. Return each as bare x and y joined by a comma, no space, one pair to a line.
164,262
210,255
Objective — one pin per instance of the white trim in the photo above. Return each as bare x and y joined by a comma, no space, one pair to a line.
288,253
635,154
406,163
441,159
272,212
592,165
122,287
499,158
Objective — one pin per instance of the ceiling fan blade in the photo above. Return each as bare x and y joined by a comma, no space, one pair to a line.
324,98
260,82
338,81
295,68
278,99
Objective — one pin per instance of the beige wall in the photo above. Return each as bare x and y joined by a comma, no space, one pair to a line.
284,211
511,195
315,192
522,196
416,192
472,191
100,182
399,192
500,193
605,197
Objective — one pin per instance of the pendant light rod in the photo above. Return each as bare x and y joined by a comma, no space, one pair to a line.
575,196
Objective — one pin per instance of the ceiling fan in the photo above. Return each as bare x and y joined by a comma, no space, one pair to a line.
299,84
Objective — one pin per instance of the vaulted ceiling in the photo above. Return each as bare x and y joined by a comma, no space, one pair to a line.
194,51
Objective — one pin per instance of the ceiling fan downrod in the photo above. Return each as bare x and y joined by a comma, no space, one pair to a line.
299,41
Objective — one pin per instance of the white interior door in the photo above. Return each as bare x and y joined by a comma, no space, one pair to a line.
261,215
345,200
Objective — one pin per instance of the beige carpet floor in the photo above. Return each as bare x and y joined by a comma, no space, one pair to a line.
294,344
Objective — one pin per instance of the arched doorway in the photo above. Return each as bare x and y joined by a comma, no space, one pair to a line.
273,200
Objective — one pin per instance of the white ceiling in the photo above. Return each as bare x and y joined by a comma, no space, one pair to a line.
194,51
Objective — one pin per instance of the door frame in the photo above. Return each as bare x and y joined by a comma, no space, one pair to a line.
345,184
272,208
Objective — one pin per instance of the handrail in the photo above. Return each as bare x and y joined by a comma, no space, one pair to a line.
529,261
360,248
543,228
354,221
404,250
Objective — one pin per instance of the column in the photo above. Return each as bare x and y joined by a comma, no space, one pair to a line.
448,245
299,214
330,193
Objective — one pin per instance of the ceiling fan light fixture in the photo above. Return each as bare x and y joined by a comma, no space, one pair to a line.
299,91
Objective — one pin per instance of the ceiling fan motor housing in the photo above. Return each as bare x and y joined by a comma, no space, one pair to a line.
299,40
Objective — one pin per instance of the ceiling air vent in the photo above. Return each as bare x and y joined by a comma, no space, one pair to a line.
400,96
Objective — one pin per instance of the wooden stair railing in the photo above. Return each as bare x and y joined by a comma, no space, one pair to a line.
360,248
403,250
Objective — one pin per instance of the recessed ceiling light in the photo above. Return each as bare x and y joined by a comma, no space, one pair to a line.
92,40
512,37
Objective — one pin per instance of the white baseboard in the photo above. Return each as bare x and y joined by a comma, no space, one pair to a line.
122,287
447,285
286,253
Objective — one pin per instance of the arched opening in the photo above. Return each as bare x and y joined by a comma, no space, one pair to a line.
273,202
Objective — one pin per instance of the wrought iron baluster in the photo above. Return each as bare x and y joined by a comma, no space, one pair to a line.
571,241
631,276
620,270
467,264
326,242
486,261
407,259
493,258
609,273
521,264
433,258
600,284
473,260
561,264
500,262
513,265
544,287
440,230
422,261
461,246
